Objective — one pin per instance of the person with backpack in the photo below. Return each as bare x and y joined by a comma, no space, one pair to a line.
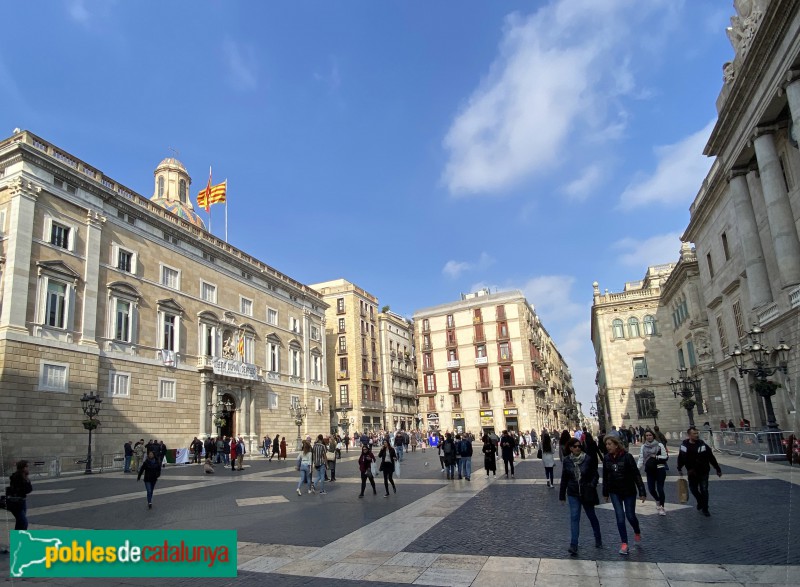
465,463
449,455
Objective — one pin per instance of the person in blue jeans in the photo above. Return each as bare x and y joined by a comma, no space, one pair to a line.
621,482
579,487
465,462
151,468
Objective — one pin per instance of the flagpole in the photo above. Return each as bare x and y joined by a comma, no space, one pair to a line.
226,209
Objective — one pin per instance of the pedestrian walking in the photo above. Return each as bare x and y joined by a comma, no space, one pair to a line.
698,459
17,495
653,461
240,452
233,448
562,444
320,464
138,454
465,463
548,459
448,455
621,482
579,480
275,448
507,452
332,452
304,466
489,451
151,468
282,454
365,460
386,457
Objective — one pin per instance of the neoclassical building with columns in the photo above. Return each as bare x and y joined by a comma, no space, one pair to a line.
109,292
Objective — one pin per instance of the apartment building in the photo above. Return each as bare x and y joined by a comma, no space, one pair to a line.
398,372
106,291
486,364
354,374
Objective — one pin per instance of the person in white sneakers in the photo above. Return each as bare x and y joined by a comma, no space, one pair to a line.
653,460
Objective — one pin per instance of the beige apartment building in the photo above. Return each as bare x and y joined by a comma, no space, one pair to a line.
354,374
486,364
106,291
398,372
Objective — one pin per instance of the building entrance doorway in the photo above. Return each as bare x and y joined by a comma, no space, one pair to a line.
229,417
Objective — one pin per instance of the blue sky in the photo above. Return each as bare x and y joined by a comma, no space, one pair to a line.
418,149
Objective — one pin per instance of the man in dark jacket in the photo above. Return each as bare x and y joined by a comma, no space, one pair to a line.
17,493
465,462
698,459
128,456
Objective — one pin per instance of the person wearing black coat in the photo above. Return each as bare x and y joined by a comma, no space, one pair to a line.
16,495
579,480
489,451
507,451
386,457
151,468
276,447
621,482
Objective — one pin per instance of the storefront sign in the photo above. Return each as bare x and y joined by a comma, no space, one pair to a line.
487,413
433,416
512,412
487,421
231,368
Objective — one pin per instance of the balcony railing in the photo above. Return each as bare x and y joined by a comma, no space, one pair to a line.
452,364
477,319
479,337
452,343
481,361
365,375
342,374
341,351
505,359
506,383
483,385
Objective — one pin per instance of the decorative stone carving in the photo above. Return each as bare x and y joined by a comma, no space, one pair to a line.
728,72
745,24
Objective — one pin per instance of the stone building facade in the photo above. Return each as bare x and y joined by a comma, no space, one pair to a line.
354,370
398,372
106,291
486,364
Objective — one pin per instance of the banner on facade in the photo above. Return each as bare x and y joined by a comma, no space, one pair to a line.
511,412
231,368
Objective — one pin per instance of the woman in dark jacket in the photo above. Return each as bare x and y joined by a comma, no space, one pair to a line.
17,493
621,481
365,466
507,451
489,455
151,467
579,485
386,458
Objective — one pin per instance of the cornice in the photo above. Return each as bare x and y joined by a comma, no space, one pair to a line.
731,287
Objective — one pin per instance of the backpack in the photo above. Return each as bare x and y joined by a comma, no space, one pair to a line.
448,447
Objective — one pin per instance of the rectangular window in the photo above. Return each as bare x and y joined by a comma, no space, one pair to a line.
125,261
246,306
450,322
166,390
168,341
455,380
208,292
690,353
710,265
483,374
294,325
119,384
507,376
53,376
342,344
341,325
509,396
725,247
365,392
723,340
55,312
737,316
484,398
60,236
295,362
340,306
480,351
430,383
639,368
645,403
316,374
681,360
273,357
504,351
343,364
272,316
314,333
272,400
170,277
249,355
344,395
122,329
426,325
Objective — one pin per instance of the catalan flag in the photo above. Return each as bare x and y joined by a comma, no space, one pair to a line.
241,345
213,194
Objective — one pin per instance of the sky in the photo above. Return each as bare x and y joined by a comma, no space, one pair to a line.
418,149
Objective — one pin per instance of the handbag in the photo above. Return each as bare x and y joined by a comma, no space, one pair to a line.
539,454
589,495
373,469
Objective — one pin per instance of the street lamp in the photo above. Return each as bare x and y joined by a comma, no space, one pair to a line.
90,403
299,414
593,411
687,388
760,353
343,421
653,413
221,413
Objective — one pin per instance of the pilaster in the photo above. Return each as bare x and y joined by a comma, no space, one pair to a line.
94,227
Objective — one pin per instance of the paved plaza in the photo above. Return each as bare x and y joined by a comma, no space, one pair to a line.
437,532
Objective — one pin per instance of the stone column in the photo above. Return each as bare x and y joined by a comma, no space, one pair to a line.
244,422
94,224
793,97
757,278
23,196
203,426
251,411
779,212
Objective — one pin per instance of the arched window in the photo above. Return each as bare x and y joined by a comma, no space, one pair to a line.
182,190
649,325
160,186
633,327
618,328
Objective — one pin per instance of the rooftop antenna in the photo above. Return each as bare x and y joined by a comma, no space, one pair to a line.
175,152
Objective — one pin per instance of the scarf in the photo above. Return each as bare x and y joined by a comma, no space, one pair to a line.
576,466
649,449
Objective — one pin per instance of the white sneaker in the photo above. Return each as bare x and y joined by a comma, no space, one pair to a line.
662,511
298,492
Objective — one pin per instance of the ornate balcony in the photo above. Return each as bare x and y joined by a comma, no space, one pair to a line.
481,361
505,359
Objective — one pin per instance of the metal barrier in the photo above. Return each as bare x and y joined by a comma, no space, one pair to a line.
759,444
75,464
112,462
42,466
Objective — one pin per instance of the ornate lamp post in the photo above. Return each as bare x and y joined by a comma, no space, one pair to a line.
221,413
344,423
760,371
653,413
299,414
686,387
90,403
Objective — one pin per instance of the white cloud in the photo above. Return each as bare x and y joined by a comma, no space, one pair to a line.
663,248
559,70
581,187
454,269
78,12
242,65
680,169
550,295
